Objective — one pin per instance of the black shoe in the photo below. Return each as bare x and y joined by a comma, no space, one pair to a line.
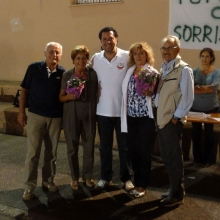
171,201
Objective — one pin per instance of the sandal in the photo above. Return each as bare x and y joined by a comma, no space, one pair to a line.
140,194
134,192
90,183
74,185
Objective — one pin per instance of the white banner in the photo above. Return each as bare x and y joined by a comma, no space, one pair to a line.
196,23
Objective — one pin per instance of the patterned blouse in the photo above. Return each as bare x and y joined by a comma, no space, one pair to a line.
136,105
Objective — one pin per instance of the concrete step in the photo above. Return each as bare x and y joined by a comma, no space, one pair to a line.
8,89
8,120
9,123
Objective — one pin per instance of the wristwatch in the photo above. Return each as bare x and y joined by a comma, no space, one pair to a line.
176,118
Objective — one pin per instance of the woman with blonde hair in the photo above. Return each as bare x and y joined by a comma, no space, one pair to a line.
137,115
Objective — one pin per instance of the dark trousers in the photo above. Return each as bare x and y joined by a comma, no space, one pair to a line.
140,140
106,126
87,139
170,138
207,153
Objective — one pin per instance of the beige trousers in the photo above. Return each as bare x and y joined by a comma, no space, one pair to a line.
41,129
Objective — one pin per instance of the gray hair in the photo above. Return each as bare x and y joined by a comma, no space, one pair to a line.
177,40
53,44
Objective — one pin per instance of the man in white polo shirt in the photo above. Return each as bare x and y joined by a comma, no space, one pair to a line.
111,66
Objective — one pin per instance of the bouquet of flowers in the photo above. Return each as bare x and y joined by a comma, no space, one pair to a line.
145,79
75,85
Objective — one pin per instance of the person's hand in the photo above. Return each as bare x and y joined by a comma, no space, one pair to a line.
22,118
174,121
147,92
71,96
99,89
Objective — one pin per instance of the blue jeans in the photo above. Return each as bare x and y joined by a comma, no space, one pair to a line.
106,126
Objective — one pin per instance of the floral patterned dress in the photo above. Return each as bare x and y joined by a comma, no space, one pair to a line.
136,105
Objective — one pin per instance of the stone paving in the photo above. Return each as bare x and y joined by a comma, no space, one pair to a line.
202,198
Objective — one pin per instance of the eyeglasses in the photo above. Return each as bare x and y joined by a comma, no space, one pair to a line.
163,49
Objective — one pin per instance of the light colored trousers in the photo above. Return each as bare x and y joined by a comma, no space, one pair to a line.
41,129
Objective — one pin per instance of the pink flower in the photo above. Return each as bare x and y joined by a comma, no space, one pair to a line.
75,85
146,79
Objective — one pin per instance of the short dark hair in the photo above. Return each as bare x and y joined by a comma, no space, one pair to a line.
107,29
211,53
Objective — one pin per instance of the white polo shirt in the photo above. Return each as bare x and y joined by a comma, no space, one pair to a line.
110,77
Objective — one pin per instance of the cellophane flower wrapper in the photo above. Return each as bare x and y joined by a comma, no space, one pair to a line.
146,79
75,85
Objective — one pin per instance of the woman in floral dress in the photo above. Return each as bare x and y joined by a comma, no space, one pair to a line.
137,114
